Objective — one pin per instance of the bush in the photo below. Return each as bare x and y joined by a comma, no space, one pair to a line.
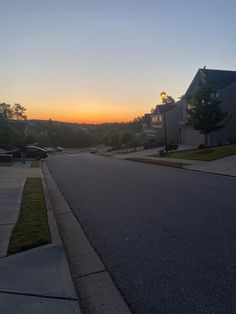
172,146
151,143
162,153
202,146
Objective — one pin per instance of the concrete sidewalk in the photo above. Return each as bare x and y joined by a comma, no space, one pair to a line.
223,166
144,152
37,280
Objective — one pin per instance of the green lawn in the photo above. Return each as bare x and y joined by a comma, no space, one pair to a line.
31,229
157,162
206,154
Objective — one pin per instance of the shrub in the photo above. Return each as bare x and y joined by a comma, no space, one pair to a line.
202,146
172,146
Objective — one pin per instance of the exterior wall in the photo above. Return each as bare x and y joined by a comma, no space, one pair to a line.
147,121
172,123
228,104
228,133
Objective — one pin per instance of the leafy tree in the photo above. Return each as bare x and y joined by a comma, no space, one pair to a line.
135,143
127,138
137,124
205,113
9,135
18,112
5,111
15,112
113,139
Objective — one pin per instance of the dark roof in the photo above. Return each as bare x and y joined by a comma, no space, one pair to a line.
160,108
221,78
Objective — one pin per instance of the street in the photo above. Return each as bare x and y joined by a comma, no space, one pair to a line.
166,235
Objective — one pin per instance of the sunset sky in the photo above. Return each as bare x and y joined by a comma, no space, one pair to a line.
108,60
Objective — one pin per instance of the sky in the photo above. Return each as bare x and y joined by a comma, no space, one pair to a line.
96,61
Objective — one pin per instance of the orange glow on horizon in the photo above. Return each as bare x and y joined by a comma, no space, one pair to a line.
86,118
91,112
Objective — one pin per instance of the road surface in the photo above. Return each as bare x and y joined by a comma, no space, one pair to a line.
167,236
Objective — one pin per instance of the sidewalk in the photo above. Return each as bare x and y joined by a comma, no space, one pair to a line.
223,166
37,280
144,152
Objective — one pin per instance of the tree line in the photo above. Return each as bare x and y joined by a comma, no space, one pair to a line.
16,130
204,114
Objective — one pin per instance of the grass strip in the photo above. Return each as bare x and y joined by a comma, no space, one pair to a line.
105,154
31,229
208,154
7,163
157,162
36,164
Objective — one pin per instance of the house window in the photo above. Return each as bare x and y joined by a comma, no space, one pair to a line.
156,120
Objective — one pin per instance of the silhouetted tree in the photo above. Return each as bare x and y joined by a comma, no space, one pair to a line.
205,113
18,112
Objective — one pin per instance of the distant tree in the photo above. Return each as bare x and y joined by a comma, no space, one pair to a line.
18,112
205,113
5,111
113,139
170,100
9,135
50,133
137,124
127,138
135,142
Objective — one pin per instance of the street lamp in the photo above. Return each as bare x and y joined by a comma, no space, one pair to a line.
164,98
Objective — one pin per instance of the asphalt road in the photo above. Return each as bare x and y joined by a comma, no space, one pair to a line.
167,236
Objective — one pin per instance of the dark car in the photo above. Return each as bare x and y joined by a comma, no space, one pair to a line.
30,152
93,151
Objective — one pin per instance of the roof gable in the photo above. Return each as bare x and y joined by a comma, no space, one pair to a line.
220,78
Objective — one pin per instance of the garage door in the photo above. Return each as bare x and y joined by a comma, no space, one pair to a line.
192,137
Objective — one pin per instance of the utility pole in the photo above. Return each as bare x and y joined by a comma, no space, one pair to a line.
164,98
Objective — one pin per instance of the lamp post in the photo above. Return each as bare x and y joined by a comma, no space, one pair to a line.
164,98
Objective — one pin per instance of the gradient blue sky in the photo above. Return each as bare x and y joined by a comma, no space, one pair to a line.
108,60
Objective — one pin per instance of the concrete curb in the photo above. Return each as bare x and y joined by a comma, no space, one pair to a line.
51,218
95,288
56,239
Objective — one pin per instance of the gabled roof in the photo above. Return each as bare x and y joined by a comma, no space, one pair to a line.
221,78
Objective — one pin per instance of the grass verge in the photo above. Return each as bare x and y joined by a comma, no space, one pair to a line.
7,163
157,162
105,154
36,164
31,229
208,154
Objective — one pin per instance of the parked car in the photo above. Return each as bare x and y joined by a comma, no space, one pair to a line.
59,149
31,152
49,149
93,151
54,149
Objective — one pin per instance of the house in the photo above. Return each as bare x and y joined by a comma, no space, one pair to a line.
180,131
